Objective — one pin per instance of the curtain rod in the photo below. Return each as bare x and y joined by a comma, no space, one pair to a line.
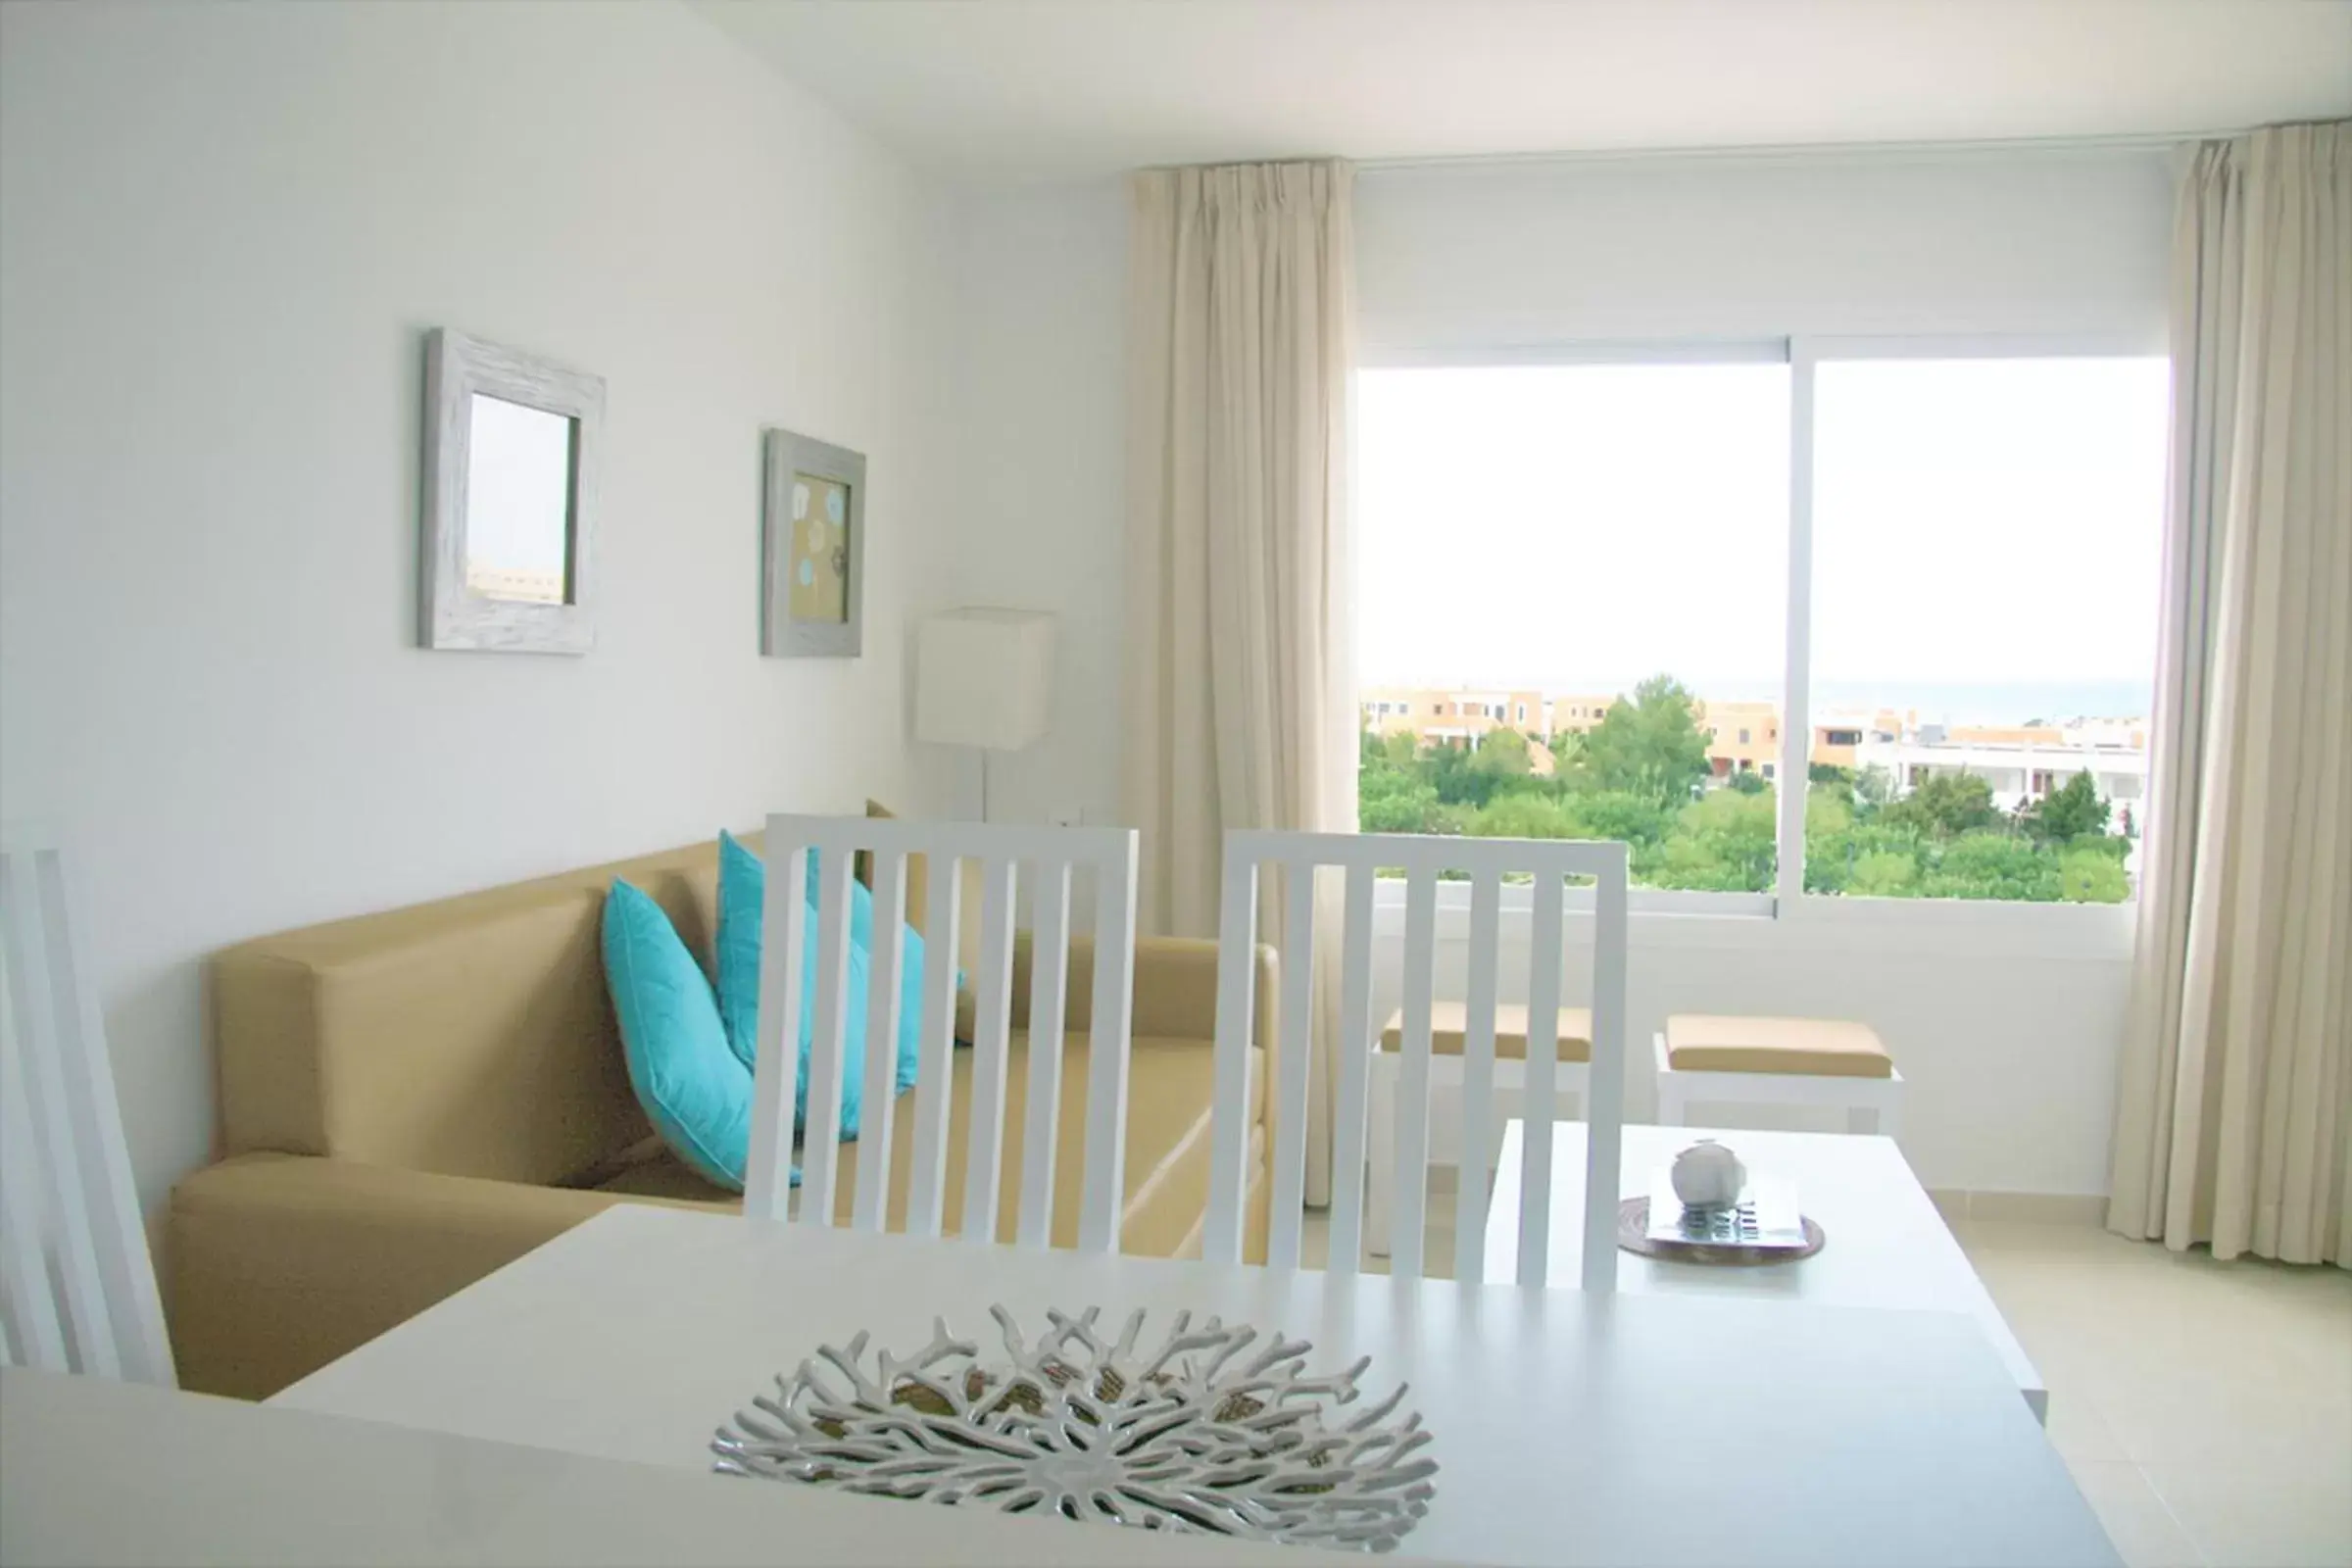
2133,143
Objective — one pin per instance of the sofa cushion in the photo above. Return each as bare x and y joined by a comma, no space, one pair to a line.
698,1095
742,923
1169,1090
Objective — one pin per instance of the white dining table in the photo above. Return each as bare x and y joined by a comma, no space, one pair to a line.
96,1471
1568,1427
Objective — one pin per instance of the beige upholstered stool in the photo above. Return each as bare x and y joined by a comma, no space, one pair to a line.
1449,1022
1780,1061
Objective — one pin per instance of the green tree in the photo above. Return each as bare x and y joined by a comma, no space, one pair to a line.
1722,842
1526,816
1747,784
2093,875
1503,753
1453,772
2071,811
1455,821
1567,752
1884,874
1829,840
1946,806
1406,807
1873,786
1620,814
1392,788
1992,865
1650,745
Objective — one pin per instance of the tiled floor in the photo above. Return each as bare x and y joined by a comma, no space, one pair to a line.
2204,1409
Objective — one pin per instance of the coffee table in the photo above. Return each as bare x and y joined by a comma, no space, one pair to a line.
1887,1247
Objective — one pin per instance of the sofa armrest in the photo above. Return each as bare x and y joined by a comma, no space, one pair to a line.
1176,989
276,1264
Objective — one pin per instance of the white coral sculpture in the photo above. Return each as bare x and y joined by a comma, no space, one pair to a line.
1191,1437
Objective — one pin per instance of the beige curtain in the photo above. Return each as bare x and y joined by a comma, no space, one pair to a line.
2234,1117
1240,706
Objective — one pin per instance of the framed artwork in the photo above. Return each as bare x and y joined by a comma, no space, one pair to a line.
812,549
511,447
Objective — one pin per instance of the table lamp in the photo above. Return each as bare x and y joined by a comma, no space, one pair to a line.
983,678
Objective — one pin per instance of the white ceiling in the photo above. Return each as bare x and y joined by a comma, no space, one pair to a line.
1043,88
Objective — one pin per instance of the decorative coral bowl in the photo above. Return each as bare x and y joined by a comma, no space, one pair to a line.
1194,1434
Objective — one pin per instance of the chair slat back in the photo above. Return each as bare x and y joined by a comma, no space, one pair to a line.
77,1289
1003,857
1296,859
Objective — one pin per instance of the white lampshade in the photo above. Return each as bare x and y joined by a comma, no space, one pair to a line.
983,677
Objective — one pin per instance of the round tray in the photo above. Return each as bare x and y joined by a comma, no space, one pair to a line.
1633,1234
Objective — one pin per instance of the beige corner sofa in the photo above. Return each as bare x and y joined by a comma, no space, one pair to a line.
411,1099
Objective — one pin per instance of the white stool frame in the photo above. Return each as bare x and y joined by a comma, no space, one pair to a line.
1445,1076
1050,853
1422,858
1881,1099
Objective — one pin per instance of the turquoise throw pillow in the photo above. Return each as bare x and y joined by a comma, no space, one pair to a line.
742,917
693,1089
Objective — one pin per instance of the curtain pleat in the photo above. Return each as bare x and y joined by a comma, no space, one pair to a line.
2234,1098
1239,710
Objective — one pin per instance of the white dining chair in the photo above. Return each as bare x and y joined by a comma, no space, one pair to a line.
77,1291
1361,857
1002,856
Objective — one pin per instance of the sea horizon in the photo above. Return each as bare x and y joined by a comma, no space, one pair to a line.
1935,702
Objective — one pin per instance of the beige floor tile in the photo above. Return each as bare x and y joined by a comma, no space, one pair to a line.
2261,1516
2145,1532
2227,1388
2076,1429
2184,1416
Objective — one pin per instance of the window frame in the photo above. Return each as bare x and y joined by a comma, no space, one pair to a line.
2046,929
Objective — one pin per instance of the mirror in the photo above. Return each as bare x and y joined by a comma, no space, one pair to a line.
518,502
513,444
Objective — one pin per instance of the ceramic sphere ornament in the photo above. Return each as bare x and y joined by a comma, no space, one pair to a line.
1708,1175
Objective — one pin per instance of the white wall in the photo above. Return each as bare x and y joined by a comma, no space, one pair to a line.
224,229
2006,1020
1039,515
1504,255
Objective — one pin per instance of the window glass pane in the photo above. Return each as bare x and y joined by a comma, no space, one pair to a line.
1985,538
1603,549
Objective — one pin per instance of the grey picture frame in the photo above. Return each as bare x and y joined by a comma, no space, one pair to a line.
787,458
450,614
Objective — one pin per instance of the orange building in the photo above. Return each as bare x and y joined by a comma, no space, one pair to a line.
1746,737
1577,713
1457,716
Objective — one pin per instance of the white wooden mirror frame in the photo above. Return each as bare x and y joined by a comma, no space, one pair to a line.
452,615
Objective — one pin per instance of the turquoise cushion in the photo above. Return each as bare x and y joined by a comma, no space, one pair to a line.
695,1090
742,915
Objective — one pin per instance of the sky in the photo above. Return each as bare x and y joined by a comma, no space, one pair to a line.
1980,525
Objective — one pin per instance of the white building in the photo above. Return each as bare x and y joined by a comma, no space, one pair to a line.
2018,773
